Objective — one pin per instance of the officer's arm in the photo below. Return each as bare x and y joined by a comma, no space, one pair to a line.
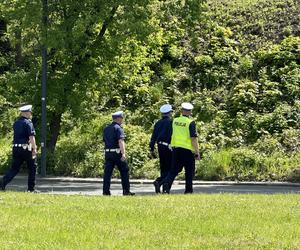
193,134
196,147
31,133
153,138
122,148
33,144
121,137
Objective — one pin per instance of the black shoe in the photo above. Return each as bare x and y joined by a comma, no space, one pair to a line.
166,188
188,192
2,187
157,187
128,193
107,194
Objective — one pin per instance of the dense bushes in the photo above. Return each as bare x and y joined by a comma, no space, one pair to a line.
248,165
5,151
80,153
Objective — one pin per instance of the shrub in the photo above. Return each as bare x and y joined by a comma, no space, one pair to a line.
290,140
80,152
246,164
267,145
214,166
5,154
137,153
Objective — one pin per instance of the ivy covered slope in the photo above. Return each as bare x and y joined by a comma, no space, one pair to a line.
238,61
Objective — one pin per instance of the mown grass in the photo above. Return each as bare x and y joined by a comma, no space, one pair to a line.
221,221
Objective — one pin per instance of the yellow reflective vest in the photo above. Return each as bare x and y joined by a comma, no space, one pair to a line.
181,133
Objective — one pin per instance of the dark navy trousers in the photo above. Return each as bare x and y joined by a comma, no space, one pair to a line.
165,161
113,159
182,158
20,156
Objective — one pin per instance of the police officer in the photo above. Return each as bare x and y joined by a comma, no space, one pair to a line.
24,149
162,136
115,154
185,149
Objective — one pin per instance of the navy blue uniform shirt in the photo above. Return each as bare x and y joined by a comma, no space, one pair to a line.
162,132
23,129
112,134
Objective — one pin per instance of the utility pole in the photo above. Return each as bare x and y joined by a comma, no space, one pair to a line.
44,86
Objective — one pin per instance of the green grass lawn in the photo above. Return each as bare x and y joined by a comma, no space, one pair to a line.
218,221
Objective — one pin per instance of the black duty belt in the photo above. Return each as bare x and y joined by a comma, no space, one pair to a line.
165,144
24,146
117,150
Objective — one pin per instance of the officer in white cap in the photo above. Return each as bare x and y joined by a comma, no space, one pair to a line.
24,149
162,136
115,154
185,149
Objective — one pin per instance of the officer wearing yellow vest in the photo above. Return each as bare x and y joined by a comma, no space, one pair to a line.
185,149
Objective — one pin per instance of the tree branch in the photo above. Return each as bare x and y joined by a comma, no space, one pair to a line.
106,23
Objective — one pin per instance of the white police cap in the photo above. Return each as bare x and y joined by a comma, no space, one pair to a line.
164,109
26,108
187,106
118,114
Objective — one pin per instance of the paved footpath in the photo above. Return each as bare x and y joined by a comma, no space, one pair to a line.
93,186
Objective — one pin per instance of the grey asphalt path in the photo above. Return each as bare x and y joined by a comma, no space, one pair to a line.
93,186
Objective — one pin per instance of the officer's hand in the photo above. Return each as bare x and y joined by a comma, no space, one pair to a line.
198,157
123,158
152,155
34,153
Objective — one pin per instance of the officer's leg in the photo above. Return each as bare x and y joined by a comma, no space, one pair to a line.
31,165
167,163
124,171
161,163
174,171
189,171
108,170
164,163
15,167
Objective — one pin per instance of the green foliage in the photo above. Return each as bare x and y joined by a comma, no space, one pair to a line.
244,95
5,151
81,152
248,164
214,166
256,23
240,69
290,140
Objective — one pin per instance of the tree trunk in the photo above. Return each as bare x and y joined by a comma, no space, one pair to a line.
18,48
5,47
3,29
55,125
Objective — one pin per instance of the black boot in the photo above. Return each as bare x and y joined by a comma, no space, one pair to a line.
128,193
106,194
2,187
166,188
157,187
